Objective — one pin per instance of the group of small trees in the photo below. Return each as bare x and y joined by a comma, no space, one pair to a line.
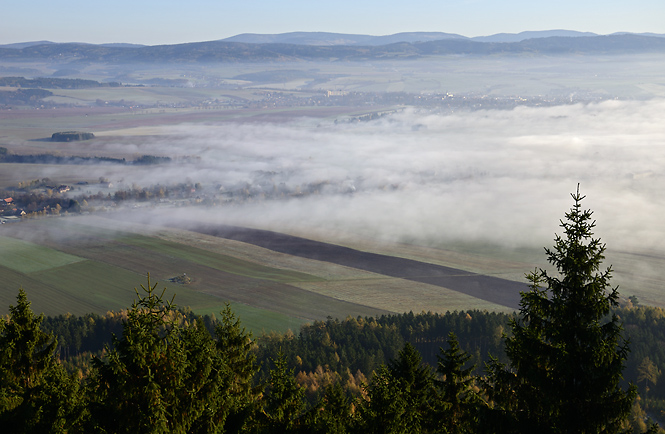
165,375
162,375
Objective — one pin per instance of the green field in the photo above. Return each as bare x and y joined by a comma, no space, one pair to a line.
111,263
220,262
26,257
273,290
92,264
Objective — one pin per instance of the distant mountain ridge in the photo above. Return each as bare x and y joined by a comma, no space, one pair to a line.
425,44
325,38
21,45
522,36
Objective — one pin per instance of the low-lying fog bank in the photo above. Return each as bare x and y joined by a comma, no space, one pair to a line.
493,176
502,176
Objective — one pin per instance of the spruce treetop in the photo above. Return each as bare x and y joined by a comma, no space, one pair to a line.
566,352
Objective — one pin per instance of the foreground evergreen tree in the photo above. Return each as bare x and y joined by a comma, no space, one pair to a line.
566,355
400,396
234,345
285,408
160,377
333,413
458,405
36,395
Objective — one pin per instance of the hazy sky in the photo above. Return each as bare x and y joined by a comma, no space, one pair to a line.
167,21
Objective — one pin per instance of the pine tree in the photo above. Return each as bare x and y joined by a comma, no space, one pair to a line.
400,396
566,352
285,408
36,395
204,399
333,413
458,403
160,377
234,345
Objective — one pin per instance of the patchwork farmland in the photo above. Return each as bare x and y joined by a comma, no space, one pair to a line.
93,265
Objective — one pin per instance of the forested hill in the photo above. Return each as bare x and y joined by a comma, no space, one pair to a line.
363,344
344,361
221,51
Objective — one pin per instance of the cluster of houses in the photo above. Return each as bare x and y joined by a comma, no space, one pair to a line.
9,211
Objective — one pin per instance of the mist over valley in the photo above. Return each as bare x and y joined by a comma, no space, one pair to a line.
458,160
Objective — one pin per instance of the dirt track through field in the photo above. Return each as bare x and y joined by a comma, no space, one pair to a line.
493,289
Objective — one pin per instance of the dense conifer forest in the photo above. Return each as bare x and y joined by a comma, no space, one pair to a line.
571,360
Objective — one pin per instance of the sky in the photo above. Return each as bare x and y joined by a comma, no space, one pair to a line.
153,22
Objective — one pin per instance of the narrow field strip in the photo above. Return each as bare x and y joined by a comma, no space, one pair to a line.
260,255
399,295
448,255
255,320
493,289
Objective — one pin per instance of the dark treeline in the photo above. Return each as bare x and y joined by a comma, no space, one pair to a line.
333,377
644,327
31,97
80,337
32,91
363,344
143,160
53,83
38,197
355,344
40,204
58,159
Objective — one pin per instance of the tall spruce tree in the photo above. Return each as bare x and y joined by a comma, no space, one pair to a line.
234,345
400,396
161,376
333,413
458,405
284,404
566,351
36,395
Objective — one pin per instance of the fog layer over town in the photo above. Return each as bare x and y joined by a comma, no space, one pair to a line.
497,176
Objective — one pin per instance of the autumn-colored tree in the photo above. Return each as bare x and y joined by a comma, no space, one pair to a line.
648,373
